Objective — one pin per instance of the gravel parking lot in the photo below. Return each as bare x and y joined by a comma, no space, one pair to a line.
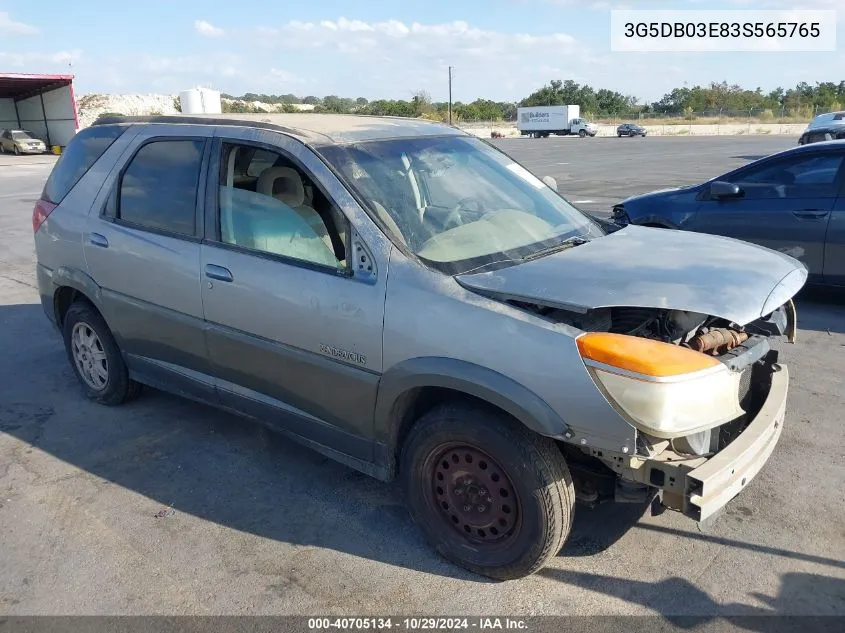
168,507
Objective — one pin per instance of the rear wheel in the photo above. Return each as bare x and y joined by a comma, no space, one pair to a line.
490,495
95,356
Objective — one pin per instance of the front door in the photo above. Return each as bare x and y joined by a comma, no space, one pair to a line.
786,206
294,327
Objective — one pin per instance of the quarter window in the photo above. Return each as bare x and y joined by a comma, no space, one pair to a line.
83,150
159,188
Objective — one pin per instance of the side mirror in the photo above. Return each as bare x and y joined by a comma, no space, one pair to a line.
720,190
550,182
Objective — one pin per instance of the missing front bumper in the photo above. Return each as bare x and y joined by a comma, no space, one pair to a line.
710,486
700,486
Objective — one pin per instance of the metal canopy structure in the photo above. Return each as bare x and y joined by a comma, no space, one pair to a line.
20,86
43,104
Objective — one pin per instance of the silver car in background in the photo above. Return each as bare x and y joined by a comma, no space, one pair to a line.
407,299
21,142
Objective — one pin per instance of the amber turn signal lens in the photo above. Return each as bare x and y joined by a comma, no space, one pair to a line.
641,355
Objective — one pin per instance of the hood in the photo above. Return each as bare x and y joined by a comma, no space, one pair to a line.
660,193
653,268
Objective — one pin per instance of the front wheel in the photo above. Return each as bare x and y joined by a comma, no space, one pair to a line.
582,133
17,151
490,495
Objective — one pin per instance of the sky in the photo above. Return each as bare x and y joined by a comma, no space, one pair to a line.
500,49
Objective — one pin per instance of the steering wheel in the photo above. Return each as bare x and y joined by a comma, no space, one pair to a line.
454,216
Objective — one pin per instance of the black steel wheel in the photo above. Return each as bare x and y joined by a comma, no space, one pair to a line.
473,493
490,495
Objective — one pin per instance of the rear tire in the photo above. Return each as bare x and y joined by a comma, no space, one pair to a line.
489,494
95,357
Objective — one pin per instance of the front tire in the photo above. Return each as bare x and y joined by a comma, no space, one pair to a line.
582,133
17,151
490,495
95,357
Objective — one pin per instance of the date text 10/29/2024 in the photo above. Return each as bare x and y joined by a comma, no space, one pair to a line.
417,624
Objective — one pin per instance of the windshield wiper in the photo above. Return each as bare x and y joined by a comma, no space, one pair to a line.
554,248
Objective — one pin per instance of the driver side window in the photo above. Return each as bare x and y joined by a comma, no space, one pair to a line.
811,176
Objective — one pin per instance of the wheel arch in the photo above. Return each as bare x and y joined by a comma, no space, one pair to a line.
72,285
411,388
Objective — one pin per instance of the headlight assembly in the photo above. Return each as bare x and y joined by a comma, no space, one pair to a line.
665,390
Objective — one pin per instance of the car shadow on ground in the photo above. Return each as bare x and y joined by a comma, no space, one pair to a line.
184,457
683,603
821,309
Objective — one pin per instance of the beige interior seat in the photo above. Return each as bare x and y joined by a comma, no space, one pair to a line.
274,234
285,184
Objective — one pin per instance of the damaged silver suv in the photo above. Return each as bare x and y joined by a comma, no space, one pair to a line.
410,301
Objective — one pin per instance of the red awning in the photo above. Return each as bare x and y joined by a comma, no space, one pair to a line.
22,86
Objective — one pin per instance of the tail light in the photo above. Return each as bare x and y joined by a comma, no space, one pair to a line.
41,212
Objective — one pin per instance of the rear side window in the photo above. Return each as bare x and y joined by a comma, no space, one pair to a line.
158,190
80,154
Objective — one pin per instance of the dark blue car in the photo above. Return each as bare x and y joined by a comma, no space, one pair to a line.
792,202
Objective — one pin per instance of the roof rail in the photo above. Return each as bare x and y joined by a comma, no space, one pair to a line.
202,120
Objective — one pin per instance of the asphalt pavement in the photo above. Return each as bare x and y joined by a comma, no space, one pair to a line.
164,506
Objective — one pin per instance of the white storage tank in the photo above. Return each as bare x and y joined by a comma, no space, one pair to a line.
200,101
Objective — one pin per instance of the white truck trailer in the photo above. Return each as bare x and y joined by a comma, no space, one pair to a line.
541,121
41,104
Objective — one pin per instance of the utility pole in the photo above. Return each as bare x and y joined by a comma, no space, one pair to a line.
450,95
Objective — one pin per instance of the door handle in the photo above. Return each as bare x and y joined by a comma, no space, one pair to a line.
810,214
98,240
218,272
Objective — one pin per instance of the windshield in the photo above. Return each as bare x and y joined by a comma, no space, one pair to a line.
22,135
457,202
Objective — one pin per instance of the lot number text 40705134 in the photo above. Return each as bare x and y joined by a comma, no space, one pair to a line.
416,624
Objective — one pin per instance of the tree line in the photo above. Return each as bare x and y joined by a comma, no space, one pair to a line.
802,100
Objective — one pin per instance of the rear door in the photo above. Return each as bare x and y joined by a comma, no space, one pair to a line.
786,205
293,296
142,247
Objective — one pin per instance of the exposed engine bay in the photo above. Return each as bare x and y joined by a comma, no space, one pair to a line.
700,332
744,349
